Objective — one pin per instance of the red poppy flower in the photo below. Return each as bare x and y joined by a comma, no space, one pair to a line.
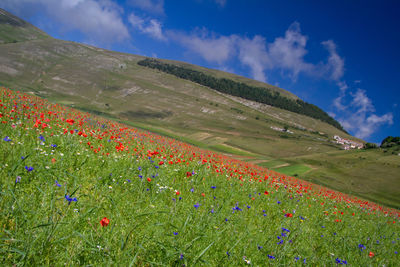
371,254
105,221
289,215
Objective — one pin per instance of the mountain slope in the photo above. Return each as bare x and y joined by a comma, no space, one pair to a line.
13,29
112,84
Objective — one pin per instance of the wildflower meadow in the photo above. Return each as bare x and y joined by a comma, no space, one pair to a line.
77,189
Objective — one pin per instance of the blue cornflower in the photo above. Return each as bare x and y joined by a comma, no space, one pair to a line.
271,257
22,157
296,258
53,145
226,219
228,254
259,247
196,205
7,139
285,230
236,208
213,187
181,256
29,169
280,242
57,184
18,179
278,202
128,180
339,261
70,199
175,233
212,210
140,168
192,190
140,176
156,167
248,207
41,137
361,246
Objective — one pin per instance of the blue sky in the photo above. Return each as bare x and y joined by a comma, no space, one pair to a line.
341,55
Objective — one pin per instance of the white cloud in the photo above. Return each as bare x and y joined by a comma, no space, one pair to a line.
152,6
358,116
150,27
217,49
99,21
288,52
285,53
362,102
253,53
337,102
335,65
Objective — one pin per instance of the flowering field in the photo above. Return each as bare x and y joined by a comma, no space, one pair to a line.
76,189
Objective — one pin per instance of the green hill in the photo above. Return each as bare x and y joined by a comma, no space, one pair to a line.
113,85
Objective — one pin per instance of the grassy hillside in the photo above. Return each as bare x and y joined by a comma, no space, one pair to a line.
77,189
111,84
13,29
371,174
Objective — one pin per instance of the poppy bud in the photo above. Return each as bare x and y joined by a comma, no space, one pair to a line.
105,221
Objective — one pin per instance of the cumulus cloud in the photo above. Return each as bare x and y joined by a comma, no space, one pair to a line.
99,21
253,53
359,116
212,48
286,53
151,6
151,27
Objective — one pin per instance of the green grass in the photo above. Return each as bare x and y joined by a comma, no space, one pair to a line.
371,174
271,163
293,170
216,219
231,150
